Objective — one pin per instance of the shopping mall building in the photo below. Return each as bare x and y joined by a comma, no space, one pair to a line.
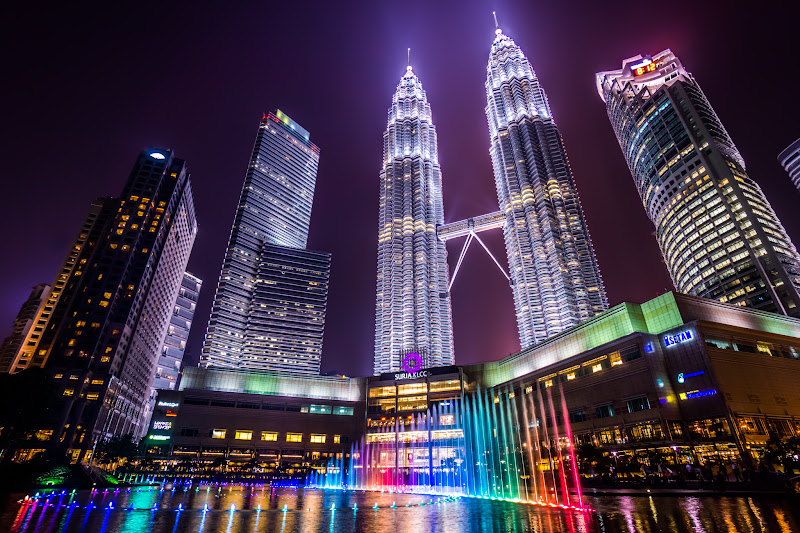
676,375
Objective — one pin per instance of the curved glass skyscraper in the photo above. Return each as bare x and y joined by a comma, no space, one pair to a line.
554,273
412,311
717,232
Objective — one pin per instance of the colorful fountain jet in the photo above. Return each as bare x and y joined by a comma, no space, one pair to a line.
497,443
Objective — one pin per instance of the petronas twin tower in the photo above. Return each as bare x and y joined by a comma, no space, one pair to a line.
553,271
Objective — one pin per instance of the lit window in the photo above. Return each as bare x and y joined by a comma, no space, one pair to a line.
317,439
104,303
74,376
597,368
269,435
340,410
44,434
58,376
763,347
337,439
105,359
92,396
243,434
69,392
218,433
294,437
450,384
391,390
412,388
97,382
412,403
615,359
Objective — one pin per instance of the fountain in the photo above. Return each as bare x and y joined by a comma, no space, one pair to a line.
492,443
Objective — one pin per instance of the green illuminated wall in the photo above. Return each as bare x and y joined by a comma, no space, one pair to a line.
275,384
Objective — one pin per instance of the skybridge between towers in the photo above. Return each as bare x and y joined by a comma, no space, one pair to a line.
470,228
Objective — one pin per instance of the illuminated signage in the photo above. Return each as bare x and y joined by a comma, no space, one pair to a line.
697,394
410,375
682,377
162,424
678,338
648,348
159,437
168,404
643,67
412,363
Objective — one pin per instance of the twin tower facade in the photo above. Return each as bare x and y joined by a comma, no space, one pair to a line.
553,271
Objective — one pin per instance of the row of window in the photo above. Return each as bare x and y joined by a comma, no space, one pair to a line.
588,368
307,408
767,348
633,405
268,436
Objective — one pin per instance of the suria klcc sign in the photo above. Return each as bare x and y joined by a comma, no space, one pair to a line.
412,364
683,336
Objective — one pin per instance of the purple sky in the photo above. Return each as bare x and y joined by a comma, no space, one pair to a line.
87,85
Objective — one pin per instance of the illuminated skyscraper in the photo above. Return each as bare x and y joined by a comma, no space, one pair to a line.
554,273
790,160
717,232
180,324
412,311
101,332
262,318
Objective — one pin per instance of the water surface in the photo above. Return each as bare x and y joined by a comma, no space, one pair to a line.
288,510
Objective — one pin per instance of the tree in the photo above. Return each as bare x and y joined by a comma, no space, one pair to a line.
27,404
783,451
116,449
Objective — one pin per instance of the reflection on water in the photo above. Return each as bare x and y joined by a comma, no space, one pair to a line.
214,509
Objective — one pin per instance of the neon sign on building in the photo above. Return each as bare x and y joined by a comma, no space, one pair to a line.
683,336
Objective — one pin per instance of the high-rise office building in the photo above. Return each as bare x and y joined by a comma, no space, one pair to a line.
102,339
180,323
554,274
790,160
287,314
412,311
717,232
23,324
248,330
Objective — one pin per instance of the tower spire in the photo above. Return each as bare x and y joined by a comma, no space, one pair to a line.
496,25
409,57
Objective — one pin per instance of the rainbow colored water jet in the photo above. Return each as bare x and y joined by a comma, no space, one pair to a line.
491,444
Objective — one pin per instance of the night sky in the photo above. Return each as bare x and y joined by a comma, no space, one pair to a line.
87,85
